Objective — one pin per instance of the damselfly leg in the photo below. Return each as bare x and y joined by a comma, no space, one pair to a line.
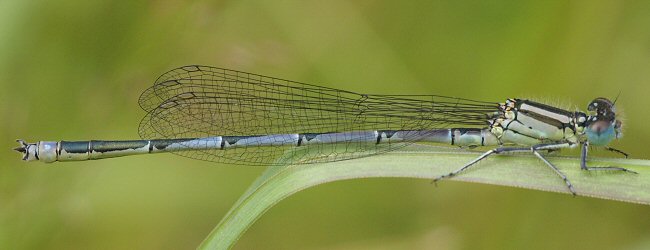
583,161
626,155
534,149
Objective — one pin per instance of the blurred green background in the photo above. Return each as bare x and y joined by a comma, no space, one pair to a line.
74,69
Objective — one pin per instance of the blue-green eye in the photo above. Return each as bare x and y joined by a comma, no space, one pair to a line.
600,133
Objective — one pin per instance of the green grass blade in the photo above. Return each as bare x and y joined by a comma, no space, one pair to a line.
428,162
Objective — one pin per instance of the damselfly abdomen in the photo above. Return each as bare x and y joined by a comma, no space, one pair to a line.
234,117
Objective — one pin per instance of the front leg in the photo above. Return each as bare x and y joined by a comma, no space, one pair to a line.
618,151
583,162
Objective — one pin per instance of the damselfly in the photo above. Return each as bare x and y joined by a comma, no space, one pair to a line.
234,117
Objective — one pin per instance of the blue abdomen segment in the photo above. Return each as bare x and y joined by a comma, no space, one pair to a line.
455,136
51,151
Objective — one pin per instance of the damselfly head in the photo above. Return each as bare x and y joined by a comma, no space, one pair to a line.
602,108
601,125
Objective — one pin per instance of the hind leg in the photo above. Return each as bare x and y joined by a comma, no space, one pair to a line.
533,149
